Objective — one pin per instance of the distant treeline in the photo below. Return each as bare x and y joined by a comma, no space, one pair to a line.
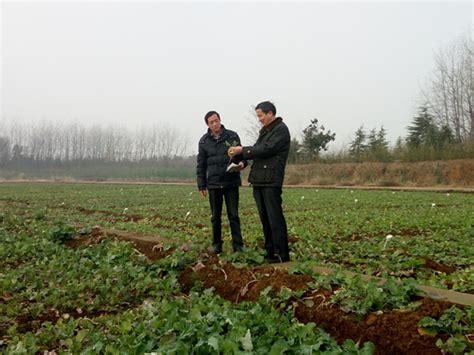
53,150
426,140
47,141
442,129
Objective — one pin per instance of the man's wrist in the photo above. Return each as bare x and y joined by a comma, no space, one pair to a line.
246,152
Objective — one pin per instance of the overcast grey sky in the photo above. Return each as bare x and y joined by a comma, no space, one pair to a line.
135,63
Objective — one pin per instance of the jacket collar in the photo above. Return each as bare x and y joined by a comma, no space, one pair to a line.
269,128
223,132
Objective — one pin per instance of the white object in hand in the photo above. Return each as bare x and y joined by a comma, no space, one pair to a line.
232,168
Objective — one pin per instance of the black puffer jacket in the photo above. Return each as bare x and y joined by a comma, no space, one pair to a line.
212,161
269,155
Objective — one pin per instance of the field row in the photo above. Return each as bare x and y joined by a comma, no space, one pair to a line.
66,287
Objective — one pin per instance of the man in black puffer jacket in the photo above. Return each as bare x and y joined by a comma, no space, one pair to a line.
269,155
212,176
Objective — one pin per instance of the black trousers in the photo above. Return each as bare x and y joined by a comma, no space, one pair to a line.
216,199
269,201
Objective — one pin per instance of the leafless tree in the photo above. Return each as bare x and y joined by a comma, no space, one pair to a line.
4,149
72,142
253,125
450,90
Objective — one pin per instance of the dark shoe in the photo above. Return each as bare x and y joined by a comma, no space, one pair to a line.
216,250
269,255
276,259
272,260
239,249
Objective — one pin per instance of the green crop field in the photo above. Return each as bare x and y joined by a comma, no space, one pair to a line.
66,287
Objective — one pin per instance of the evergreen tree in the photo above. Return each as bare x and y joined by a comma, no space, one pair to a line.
423,130
372,140
382,140
445,136
358,146
378,145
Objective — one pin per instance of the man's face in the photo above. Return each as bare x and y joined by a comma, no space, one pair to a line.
265,118
214,123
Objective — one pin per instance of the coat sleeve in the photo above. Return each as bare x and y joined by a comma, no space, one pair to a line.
240,158
279,141
201,168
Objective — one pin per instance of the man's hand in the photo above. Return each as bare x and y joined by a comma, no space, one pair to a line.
203,193
241,165
233,151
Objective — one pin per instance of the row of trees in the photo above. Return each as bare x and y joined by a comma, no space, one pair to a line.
449,92
424,132
46,141
369,146
425,140
444,124
442,129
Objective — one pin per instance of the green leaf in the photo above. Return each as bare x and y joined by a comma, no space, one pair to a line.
279,347
213,342
81,335
247,341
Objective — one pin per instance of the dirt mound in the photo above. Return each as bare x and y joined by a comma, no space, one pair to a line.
394,332
434,265
240,284
151,247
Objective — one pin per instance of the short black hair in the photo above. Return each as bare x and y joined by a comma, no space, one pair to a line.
266,107
209,114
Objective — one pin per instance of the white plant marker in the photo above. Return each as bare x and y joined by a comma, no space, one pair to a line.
387,239
187,215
